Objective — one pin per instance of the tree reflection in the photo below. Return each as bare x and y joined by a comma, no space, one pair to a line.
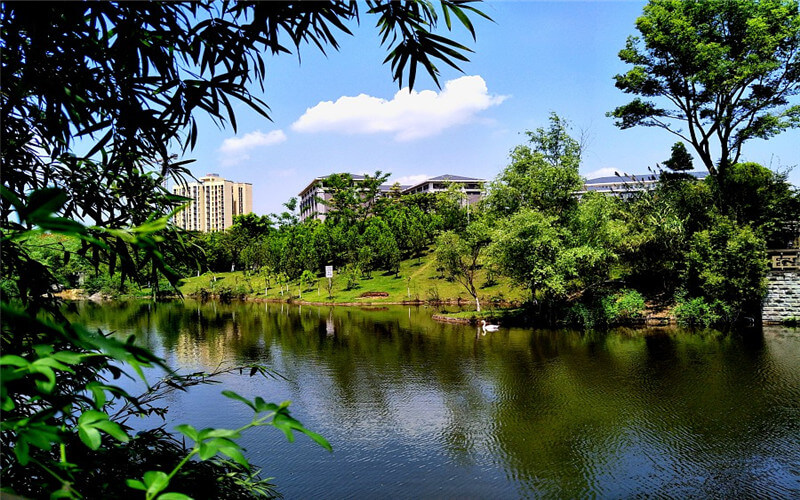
560,413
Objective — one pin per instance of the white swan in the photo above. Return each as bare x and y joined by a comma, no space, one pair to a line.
488,328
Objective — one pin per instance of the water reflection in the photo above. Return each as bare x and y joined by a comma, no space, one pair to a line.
418,408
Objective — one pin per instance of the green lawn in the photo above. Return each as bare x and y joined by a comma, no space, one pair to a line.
425,284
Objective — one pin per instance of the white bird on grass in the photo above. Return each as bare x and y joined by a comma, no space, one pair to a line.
488,328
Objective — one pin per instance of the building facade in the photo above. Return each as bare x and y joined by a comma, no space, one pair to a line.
472,188
625,186
214,202
314,198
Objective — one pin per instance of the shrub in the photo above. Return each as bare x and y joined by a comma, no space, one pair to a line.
581,315
107,285
433,295
225,294
352,276
698,312
726,267
623,307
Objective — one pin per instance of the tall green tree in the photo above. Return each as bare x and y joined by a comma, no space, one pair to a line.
352,200
716,73
459,255
542,175
529,248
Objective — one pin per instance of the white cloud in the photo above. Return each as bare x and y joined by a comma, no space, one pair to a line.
234,149
237,145
409,115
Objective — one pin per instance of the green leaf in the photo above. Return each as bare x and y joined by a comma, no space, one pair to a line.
7,403
21,452
233,395
11,197
236,454
62,493
98,392
90,437
206,451
223,433
317,438
173,496
113,429
42,350
91,416
70,358
262,406
50,362
155,481
188,431
135,484
41,436
45,386
43,203
13,360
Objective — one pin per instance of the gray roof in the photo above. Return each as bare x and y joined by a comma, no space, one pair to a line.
449,177
636,178
388,187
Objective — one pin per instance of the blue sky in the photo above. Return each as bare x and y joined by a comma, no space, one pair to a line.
343,112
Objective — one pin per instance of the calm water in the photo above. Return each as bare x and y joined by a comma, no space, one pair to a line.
419,409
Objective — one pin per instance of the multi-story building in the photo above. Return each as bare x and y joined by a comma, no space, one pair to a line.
214,203
314,198
471,187
625,185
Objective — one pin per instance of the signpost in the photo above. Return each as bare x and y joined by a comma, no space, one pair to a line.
329,275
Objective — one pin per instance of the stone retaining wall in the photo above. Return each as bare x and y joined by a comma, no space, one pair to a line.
783,296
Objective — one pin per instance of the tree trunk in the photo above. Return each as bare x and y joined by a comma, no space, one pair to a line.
478,303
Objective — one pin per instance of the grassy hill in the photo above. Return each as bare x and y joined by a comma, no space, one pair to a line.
418,280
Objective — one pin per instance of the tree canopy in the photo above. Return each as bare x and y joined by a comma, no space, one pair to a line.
543,174
716,73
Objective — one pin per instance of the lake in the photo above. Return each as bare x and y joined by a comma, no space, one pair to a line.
420,409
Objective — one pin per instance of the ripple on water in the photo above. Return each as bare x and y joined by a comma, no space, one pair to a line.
426,411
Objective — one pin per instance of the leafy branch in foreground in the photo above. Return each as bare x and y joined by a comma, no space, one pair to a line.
96,97
211,442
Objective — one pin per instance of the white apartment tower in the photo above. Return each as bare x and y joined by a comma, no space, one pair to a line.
214,203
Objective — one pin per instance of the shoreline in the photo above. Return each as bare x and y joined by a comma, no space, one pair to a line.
647,322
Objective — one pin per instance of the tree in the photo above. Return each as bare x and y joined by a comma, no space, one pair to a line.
726,70
96,97
528,247
458,255
760,198
252,225
351,200
344,200
379,247
726,268
306,280
542,175
680,160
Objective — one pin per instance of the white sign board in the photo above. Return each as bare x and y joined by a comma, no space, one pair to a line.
329,271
